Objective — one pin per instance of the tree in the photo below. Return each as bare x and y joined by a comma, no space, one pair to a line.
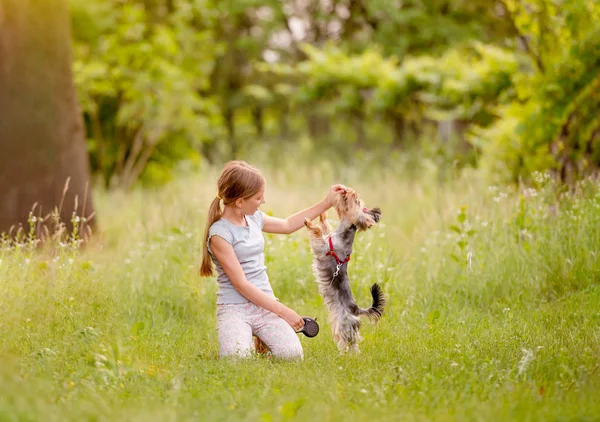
142,71
42,145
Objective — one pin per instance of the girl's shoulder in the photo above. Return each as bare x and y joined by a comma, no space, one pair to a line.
222,229
220,223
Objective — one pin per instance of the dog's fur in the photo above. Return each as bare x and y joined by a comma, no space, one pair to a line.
344,313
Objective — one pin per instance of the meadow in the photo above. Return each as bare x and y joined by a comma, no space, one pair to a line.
493,309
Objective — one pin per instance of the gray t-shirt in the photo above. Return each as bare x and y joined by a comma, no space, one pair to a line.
248,244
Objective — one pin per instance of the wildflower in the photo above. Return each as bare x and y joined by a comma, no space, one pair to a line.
527,358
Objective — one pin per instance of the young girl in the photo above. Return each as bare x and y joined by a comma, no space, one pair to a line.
246,305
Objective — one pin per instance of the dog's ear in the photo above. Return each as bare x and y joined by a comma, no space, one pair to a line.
364,221
339,203
376,214
344,195
368,218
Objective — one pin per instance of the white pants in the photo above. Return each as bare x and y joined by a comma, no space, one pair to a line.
237,323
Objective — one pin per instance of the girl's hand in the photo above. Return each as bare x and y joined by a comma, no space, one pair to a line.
333,191
292,318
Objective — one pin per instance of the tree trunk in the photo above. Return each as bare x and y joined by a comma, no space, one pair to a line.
257,117
398,129
42,142
284,124
358,122
318,125
234,147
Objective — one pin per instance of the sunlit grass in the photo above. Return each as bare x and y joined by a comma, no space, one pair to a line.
126,329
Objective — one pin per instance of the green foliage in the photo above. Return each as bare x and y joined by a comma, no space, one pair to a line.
511,86
425,26
475,81
464,232
157,74
464,84
462,81
139,82
554,124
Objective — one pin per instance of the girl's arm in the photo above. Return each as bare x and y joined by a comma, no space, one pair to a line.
296,221
226,256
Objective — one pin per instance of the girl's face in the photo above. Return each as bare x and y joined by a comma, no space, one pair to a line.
250,205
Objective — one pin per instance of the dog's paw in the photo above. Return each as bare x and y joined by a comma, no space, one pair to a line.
324,223
314,230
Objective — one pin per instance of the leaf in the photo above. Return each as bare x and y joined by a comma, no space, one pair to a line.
137,328
266,417
290,408
455,229
433,316
86,265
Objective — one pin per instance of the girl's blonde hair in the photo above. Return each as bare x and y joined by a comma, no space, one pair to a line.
238,180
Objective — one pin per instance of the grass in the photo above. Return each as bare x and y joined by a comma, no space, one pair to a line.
125,330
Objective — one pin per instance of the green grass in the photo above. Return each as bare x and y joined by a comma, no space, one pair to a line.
126,330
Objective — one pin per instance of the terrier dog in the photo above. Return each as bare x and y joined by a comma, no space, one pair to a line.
331,253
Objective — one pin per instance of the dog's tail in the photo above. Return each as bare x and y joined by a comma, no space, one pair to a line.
375,312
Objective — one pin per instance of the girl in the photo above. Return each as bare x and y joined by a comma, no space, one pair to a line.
233,241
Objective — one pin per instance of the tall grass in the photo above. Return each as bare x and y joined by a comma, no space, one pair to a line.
493,309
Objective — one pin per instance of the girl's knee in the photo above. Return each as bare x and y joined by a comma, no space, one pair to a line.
280,338
291,354
291,351
230,351
235,344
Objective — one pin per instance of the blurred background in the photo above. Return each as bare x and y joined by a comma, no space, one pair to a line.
140,91
510,86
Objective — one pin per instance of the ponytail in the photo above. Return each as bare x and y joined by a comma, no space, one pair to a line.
214,213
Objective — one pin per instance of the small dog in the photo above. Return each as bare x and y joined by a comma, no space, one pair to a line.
331,253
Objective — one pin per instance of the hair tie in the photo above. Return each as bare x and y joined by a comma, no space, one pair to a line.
219,197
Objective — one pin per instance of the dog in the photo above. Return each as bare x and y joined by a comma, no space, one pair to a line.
331,253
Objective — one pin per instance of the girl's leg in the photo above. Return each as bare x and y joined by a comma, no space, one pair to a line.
277,335
234,330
